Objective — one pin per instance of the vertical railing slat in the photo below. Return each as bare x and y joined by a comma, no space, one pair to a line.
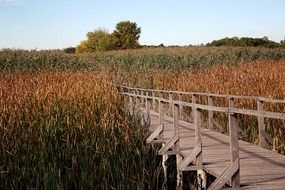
179,158
193,100
176,119
198,136
261,126
234,144
153,101
148,103
180,107
201,174
170,97
161,115
131,104
210,113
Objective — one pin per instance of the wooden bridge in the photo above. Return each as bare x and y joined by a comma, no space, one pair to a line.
177,121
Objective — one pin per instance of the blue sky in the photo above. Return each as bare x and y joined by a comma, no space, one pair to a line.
48,24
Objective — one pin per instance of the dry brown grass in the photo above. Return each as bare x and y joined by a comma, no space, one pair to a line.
41,90
263,78
69,130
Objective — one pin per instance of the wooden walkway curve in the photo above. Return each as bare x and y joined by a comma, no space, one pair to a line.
235,163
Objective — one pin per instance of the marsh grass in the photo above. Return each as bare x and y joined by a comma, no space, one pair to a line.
24,60
69,130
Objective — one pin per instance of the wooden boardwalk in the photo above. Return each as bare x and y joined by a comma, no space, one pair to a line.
235,163
259,168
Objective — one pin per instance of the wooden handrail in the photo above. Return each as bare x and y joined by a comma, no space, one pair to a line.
266,114
264,99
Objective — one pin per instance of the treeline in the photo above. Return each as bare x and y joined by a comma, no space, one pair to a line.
125,36
247,42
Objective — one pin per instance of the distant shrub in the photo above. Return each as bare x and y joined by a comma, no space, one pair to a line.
70,50
245,41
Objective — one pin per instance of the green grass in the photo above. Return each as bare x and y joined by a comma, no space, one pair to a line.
20,60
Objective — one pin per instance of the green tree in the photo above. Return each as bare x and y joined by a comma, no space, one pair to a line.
99,40
82,47
127,35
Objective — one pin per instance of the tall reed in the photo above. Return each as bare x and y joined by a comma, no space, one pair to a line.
69,130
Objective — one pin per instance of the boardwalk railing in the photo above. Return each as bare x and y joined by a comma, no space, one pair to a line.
149,99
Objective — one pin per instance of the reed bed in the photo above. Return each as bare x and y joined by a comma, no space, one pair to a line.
69,130
23,60
179,58
135,61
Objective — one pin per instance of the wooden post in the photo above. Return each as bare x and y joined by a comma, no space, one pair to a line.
161,112
153,101
231,102
210,113
179,176
198,125
136,98
261,126
176,120
131,102
201,175
161,94
194,97
138,101
142,99
146,94
164,157
160,102
193,100
137,92
234,145
179,158
170,103
148,103
180,107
